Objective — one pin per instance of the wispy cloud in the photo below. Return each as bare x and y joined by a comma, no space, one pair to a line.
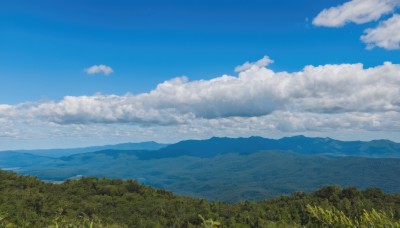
99,69
356,11
385,35
264,62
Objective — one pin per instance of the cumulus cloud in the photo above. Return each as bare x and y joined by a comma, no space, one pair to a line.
106,109
356,11
7,130
386,35
257,91
322,98
99,69
264,62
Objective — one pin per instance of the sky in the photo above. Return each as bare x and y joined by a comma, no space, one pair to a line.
79,73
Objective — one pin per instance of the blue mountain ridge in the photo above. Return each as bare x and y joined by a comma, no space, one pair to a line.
297,144
230,169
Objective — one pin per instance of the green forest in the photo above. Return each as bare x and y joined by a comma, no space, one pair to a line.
25,201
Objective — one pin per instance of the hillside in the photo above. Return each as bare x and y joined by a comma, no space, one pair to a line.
26,201
71,151
230,169
229,177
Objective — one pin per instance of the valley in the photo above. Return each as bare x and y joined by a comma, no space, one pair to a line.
230,170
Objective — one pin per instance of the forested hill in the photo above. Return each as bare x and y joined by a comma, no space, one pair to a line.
28,202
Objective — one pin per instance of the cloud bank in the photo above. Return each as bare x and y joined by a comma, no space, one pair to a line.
385,35
99,69
318,98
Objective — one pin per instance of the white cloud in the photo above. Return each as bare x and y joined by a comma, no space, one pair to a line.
7,129
99,69
356,11
264,62
106,109
327,98
386,35
258,91
10,133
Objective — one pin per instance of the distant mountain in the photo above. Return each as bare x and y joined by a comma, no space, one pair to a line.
70,151
231,169
15,160
214,146
229,177
298,144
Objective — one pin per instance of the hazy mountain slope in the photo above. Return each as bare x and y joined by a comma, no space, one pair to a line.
70,151
16,160
231,176
214,146
246,168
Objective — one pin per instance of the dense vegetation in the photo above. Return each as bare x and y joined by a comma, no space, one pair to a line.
26,201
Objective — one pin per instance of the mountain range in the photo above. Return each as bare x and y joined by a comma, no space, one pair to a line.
298,144
230,169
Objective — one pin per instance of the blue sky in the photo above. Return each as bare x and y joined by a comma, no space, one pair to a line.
45,47
46,44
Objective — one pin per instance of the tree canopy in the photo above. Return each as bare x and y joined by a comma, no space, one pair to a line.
25,201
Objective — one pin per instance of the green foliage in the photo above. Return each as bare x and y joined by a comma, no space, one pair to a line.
336,218
209,223
330,217
91,202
